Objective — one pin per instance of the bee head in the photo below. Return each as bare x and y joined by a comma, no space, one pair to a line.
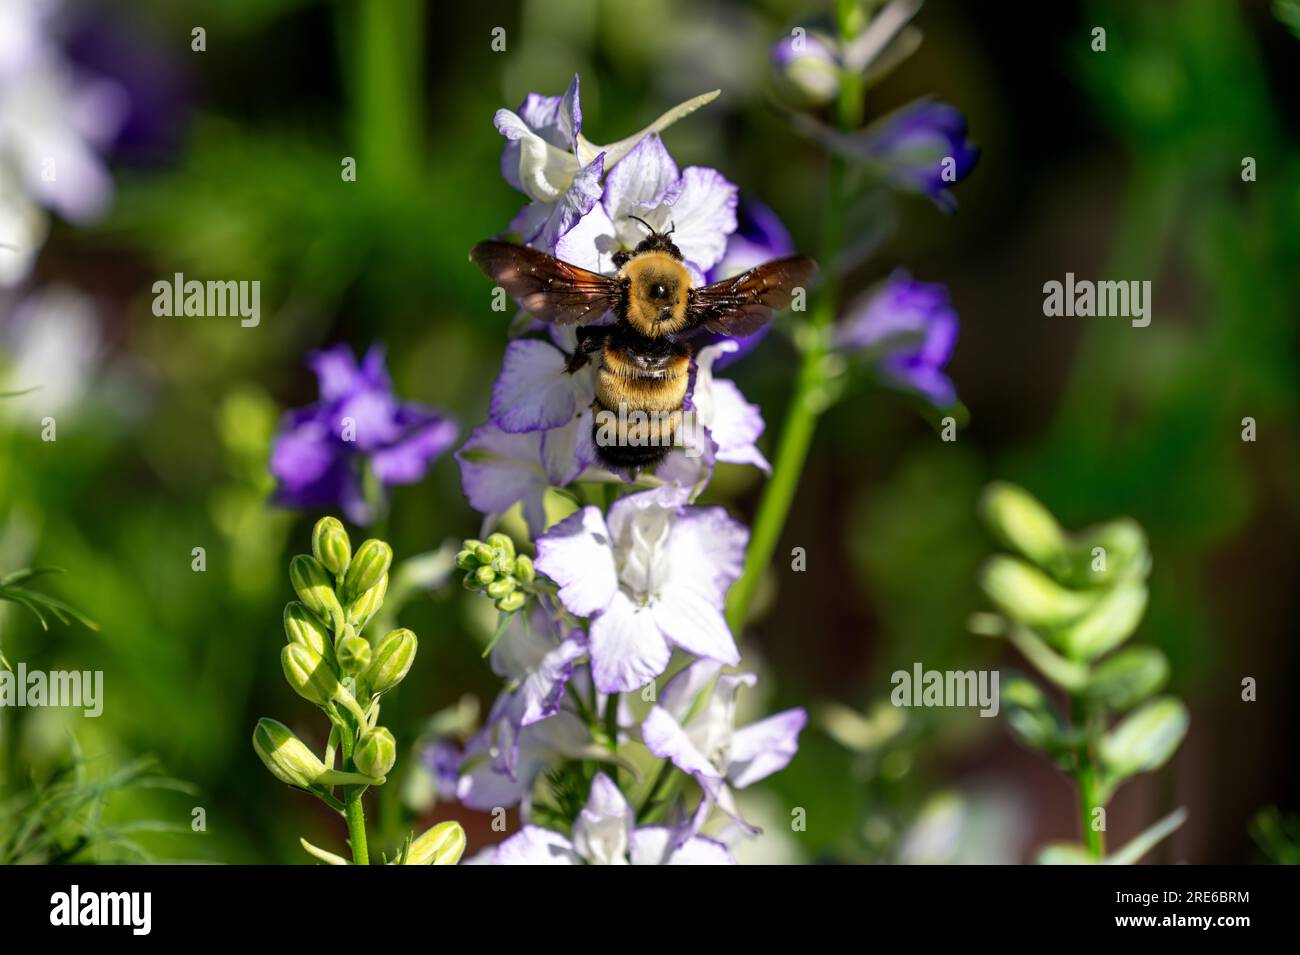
655,241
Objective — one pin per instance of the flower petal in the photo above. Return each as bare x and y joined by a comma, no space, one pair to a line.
533,391
499,469
702,215
763,748
695,625
665,738
627,649
678,697
641,182
576,554
534,845
426,435
656,845
604,826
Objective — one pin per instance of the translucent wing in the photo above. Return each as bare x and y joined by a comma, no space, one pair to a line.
552,290
742,305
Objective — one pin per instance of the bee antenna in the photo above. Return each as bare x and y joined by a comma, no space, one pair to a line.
672,227
648,226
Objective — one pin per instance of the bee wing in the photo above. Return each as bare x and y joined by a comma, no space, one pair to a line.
742,305
552,290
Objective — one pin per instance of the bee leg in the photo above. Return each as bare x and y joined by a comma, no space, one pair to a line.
589,340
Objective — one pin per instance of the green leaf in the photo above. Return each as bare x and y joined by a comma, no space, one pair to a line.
1148,839
1065,853
1145,740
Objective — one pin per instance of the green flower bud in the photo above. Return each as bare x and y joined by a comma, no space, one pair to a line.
470,581
442,844
301,626
1024,523
512,601
309,674
1025,593
503,565
1144,740
369,564
484,554
353,653
500,587
390,661
485,576
502,544
315,588
524,571
1107,625
330,544
362,610
376,752
286,756
1127,678
466,560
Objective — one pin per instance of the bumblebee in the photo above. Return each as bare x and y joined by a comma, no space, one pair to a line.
643,359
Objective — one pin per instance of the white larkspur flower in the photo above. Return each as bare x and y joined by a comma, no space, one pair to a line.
702,739
53,342
653,575
53,125
548,159
697,204
605,833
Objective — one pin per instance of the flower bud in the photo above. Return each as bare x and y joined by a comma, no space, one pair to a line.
500,587
512,601
369,564
1109,623
353,653
376,752
1026,594
285,755
315,588
503,565
502,544
362,610
1024,523
309,675
524,571
1144,740
442,844
301,626
390,661
466,560
484,554
330,545
470,581
485,576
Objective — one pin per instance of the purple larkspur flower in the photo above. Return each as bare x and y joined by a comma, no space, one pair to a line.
652,576
924,147
697,204
701,739
605,833
760,237
909,330
499,469
503,759
320,453
809,61
547,158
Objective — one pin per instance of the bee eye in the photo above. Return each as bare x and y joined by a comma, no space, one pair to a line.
657,291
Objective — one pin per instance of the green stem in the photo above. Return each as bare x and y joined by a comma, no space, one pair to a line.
808,401
1086,777
353,810
381,43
